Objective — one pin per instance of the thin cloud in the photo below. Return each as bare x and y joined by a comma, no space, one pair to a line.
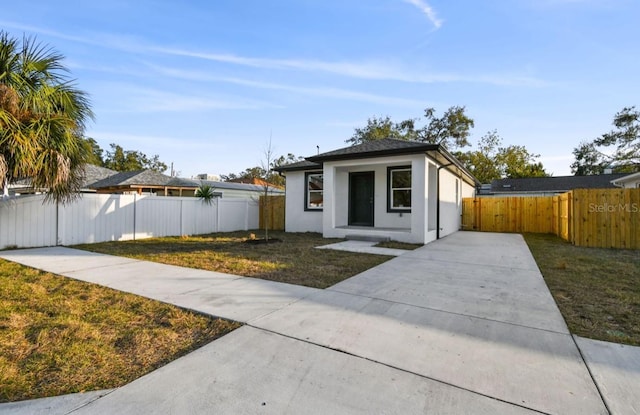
327,92
428,11
147,100
361,70
370,70
366,70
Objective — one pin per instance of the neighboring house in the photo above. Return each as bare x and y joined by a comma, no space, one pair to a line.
385,189
92,174
102,180
631,181
241,190
153,182
145,182
549,186
254,180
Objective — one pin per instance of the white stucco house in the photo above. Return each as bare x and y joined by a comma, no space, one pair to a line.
386,189
631,181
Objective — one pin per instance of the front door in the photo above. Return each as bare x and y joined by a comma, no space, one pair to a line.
361,198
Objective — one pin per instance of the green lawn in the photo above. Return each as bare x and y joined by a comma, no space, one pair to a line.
597,290
293,260
59,335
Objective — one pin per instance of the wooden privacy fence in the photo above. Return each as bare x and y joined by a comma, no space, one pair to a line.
274,208
604,218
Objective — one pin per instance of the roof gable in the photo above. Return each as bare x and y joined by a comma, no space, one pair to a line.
375,148
382,148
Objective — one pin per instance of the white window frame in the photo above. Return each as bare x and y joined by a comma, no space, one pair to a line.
308,191
391,189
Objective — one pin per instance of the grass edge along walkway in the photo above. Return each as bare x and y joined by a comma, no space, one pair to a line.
597,290
59,335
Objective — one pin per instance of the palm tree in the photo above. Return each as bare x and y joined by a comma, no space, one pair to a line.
42,119
205,193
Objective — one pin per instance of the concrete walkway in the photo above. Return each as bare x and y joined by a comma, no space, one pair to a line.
365,247
462,325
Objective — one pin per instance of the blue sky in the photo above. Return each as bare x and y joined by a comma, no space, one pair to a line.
204,84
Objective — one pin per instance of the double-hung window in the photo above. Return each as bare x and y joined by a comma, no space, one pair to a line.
399,189
314,189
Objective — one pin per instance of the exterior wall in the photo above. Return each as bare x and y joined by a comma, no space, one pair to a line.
450,203
418,226
404,227
631,184
468,190
631,181
296,218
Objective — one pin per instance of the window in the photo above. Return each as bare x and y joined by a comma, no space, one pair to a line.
314,189
399,195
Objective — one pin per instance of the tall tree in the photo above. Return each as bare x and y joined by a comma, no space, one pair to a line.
618,149
42,118
95,153
451,130
130,160
493,161
381,128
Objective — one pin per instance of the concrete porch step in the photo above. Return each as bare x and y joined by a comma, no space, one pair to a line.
367,238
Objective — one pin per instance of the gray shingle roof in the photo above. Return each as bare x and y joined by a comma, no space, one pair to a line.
387,146
139,177
380,148
153,178
300,165
93,173
555,184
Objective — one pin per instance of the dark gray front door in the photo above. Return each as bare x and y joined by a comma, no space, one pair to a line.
361,198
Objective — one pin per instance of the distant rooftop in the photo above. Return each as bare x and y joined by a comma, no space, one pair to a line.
557,184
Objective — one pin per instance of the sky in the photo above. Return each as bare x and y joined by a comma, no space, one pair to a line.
207,84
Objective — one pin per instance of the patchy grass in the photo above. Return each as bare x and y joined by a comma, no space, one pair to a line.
294,260
59,335
597,290
398,245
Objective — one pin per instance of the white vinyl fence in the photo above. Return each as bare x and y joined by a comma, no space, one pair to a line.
28,222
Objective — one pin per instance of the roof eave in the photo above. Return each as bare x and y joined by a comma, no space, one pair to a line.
298,168
374,153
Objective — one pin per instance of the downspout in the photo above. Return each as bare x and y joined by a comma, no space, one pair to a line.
461,169
285,196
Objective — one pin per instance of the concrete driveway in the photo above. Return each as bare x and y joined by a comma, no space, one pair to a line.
462,325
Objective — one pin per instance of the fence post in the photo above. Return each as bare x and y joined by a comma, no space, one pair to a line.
218,201
134,215
246,215
57,223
